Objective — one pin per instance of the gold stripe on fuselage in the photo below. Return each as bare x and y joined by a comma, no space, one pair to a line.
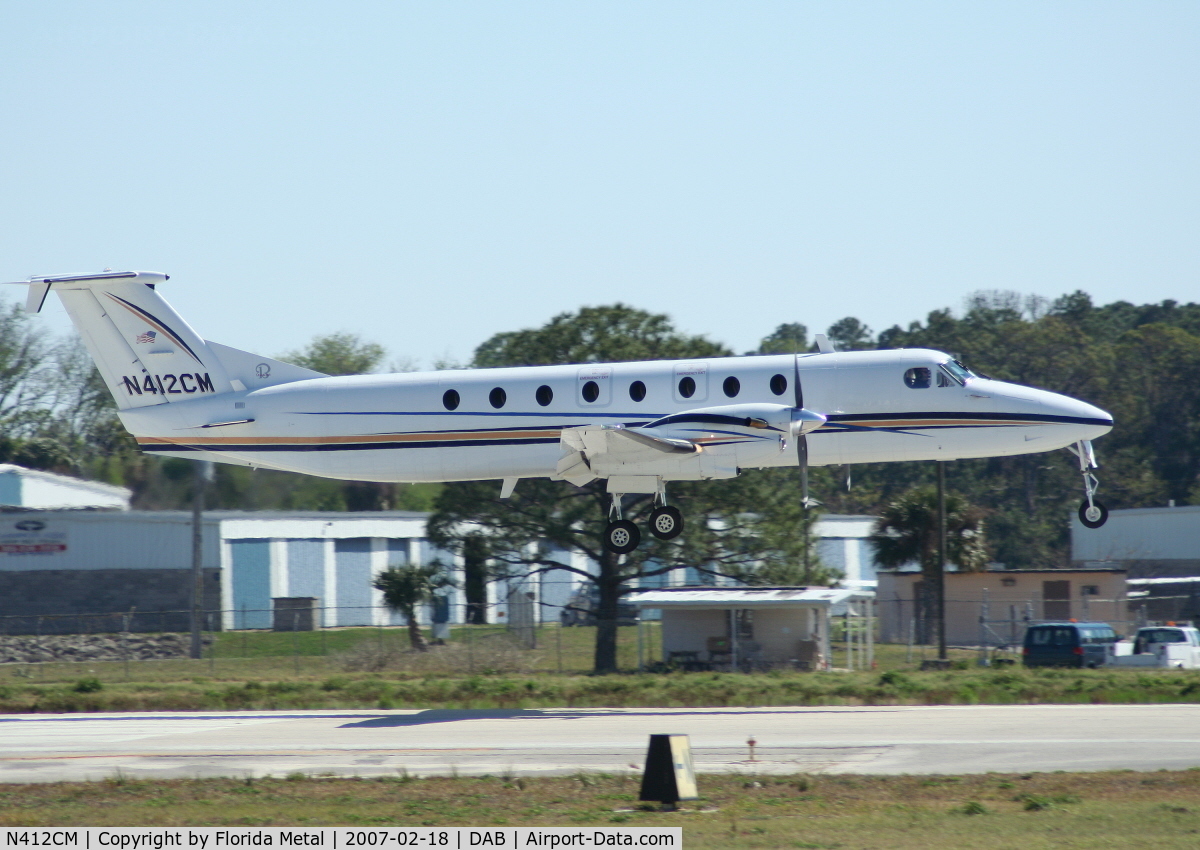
456,436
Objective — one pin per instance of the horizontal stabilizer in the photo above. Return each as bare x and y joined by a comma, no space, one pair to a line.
253,371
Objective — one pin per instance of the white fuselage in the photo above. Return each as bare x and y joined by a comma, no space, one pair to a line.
399,428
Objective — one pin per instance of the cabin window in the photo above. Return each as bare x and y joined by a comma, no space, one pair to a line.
778,384
637,391
497,397
590,391
544,395
732,386
917,378
691,382
450,399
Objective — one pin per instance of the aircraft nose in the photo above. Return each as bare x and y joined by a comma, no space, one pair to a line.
1070,418
1092,421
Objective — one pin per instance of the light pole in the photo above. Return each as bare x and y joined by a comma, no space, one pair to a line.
941,570
203,473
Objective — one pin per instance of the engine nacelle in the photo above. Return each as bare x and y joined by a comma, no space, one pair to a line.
745,418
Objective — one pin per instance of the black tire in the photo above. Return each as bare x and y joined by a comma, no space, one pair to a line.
666,523
621,537
1098,515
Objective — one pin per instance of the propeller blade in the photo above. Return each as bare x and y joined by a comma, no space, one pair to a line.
803,421
806,501
796,388
802,456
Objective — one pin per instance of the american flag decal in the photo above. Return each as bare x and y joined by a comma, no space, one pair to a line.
148,336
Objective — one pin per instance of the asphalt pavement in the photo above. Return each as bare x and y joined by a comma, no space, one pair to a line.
869,740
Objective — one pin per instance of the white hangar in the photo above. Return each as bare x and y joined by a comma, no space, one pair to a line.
64,564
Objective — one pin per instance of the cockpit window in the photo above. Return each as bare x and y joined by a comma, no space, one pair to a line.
958,371
917,378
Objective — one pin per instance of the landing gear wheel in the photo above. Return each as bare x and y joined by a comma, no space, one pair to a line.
666,522
1093,515
621,537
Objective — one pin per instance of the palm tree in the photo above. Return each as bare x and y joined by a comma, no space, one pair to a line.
907,531
406,587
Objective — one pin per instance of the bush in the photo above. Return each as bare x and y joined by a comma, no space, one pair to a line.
1034,803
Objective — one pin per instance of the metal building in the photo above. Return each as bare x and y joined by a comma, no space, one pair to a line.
1148,542
34,488
57,567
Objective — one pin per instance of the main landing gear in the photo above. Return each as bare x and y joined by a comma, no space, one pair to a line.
1091,512
621,536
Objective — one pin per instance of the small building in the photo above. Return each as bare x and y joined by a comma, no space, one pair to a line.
33,488
745,627
993,607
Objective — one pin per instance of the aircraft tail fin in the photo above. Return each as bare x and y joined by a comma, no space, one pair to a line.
146,353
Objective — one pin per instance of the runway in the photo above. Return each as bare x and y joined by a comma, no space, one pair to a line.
878,740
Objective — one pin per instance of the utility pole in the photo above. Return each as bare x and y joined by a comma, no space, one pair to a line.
941,571
203,473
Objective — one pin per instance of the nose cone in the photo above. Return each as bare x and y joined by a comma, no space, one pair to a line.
1082,421
1090,417
1091,421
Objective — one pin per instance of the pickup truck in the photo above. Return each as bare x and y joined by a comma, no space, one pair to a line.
1158,646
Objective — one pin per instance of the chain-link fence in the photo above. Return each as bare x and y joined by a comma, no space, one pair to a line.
518,643
989,624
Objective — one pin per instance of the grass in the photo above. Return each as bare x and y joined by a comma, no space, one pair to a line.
262,685
1047,810
482,668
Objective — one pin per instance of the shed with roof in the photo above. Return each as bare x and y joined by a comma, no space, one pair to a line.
742,628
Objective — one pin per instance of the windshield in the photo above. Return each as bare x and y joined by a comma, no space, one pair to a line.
960,372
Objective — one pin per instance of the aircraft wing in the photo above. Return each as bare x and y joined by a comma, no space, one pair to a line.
609,445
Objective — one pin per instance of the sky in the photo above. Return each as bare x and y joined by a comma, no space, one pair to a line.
429,174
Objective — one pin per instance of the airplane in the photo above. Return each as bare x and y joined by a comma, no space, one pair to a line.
636,425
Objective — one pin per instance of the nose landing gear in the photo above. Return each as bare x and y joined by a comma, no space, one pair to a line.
1092,513
621,536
